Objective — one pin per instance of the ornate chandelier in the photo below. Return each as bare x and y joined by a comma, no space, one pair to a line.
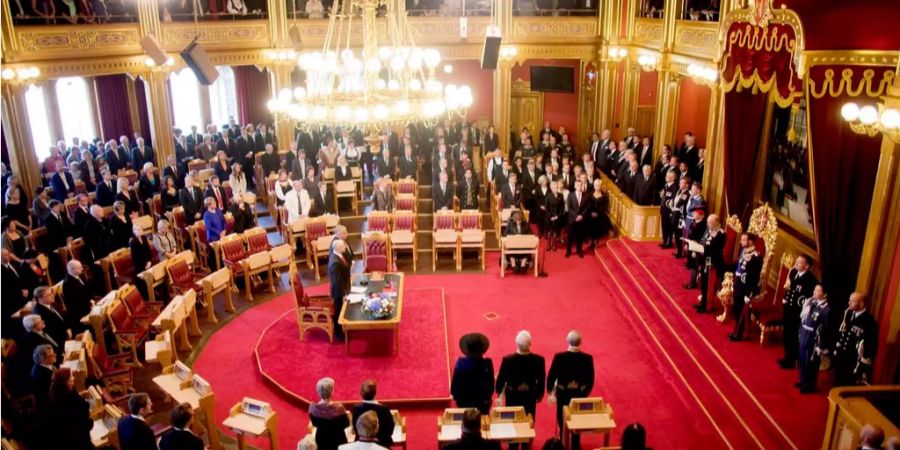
386,83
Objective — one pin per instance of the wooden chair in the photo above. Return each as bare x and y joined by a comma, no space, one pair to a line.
80,187
156,208
218,281
71,205
122,266
257,240
292,231
182,233
377,253
141,311
145,222
200,244
253,265
403,235
161,350
129,333
231,253
357,176
471,236
406,202
444,237
406,187
181,274
114,370
75,251
312,312
346,189
37,239
378,222
280,257
318,242
271,199
197,164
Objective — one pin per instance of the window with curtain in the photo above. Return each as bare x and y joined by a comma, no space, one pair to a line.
75,109
223,96
38,121
186,100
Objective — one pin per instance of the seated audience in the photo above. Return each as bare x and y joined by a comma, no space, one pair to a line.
383,196
329,417
164,241
385,419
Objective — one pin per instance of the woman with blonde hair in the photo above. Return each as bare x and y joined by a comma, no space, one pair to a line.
164,241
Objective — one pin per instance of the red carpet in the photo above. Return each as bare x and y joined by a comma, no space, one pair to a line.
290,364
687,394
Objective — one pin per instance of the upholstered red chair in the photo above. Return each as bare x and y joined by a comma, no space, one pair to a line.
142,311
444,237
114,370
182,234
257,240
128,332
182,278
403,235
409,187
123,266
200,244
768,310
317,242
257,260
379,221
471,236
229,224
377,253
406,202
312,312
232,252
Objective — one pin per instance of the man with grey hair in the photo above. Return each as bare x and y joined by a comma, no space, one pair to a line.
340,234
329,417
44,365
521,377
55,323
366,433
33,338
339,276
571,376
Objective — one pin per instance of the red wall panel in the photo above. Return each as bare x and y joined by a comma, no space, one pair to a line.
693,111
559,108
469,72
647,87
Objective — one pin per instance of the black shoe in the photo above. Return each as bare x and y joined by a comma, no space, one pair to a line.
664,245
700,308
733,337
679,256
568,254
807,390
785,364
580,255
798,385
689,285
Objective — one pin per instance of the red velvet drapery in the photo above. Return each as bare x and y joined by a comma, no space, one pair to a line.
112,101
252,94
763,57
844,168
744,118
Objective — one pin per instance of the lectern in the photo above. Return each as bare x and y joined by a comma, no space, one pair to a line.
587,415
510,424
255,418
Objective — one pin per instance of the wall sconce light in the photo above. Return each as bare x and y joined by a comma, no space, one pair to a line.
648,62
617,53
870,120
703,75
20,75
508,51
448,68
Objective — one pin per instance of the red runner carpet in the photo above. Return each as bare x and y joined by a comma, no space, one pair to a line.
672,371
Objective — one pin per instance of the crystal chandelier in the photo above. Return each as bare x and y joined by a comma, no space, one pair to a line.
384,84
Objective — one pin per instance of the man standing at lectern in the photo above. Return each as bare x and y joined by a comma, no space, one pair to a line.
339,276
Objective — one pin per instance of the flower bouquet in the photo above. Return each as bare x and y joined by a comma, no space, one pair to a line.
378,306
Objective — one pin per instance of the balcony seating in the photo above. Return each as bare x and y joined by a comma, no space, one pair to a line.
377,253
312,312
403,235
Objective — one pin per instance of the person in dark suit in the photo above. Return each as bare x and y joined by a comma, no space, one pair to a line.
141,255
89,170
67,420
472,385
367,391
644,153
44,357
271,163
491,140
800,285
510,192
174,171
106,190
339,276
521,377
62,182
215,191
443,194
571,376
229,146
245,148
242,211
33,337
645,187
577,206
96,235
323,199
856,344
713,242
191,199
467,191
180,437
134,432
627,178
76,295
385,164
193,139
55,324
15,292
409,167
688,152
116,157
746,284
60,229
141,154
81,214
471,438
666,203
695,233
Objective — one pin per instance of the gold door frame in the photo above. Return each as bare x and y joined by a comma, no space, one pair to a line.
523,95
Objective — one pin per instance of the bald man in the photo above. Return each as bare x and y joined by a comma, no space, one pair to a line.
571,376
856,344
77,295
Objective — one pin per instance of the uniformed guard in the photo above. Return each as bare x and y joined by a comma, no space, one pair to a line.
678,211
797,289
666,205
713,246
571,376
695,232
746,284
856,342
813,338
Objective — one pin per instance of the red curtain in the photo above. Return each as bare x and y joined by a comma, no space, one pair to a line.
140,91
252,94
112,101
744,118
844,169
763,54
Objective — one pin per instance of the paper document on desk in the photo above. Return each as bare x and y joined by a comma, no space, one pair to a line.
503,430
693,246
355,298
358,290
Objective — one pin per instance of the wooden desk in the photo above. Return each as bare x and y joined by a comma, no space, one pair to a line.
244,423
510,424
587,415
353,319
521,244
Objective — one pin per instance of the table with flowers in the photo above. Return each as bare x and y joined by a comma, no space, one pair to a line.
375,303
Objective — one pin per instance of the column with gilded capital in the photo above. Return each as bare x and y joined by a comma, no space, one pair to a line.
502,96
666,108
22,154
160,114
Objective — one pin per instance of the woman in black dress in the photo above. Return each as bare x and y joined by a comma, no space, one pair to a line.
223,168
599,215
329,417
14,240
67,421
17,211
170,195
539,212
148,185
128,198
555,217
119,226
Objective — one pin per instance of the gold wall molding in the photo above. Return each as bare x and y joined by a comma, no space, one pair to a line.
218,35
539,29
812,58
649,32
581,52
867,85
697,39
52,42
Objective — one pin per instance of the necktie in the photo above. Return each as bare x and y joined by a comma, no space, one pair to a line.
218,198
109,185
10,267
